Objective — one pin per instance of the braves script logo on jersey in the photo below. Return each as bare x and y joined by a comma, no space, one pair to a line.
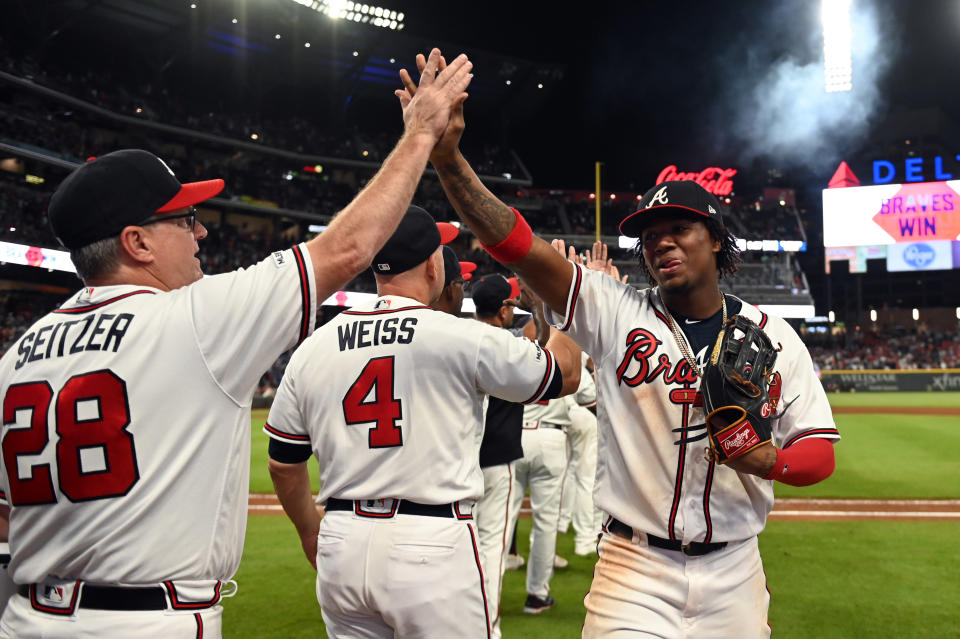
642,346
660,196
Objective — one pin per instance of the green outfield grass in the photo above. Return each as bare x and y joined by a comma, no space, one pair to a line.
831,580
260,481
891,456
880,400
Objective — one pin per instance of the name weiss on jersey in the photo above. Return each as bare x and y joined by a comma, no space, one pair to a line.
95,332
384,331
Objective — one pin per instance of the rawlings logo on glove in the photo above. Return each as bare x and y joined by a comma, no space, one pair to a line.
735,388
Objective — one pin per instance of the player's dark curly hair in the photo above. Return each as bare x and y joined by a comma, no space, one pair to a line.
727,258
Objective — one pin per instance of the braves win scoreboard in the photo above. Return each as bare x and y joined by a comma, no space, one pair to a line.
915,225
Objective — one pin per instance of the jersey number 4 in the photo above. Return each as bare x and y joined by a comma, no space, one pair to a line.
95,455
382,408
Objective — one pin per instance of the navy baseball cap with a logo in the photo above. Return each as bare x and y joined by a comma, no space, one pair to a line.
119,189
681,197
415,239
491,291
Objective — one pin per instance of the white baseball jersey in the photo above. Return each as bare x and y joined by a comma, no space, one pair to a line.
389,395
651,473
557,411
126,424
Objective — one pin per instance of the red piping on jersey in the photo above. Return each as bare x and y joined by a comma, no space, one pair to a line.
547,376
706,502
388,310
199,619
55,611
483,590
678,482
660,315
181,605
763,319
810,433
578,276
280,433
84,309
304,293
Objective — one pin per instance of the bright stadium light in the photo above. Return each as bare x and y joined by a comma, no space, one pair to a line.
356,12
837,39
831,317
873,315
916,315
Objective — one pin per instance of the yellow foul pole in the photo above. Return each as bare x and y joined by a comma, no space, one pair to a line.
598,198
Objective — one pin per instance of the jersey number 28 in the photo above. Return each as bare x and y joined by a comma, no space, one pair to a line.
95,455
383,408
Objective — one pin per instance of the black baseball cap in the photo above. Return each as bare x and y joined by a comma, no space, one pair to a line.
680,197
119,189
491,291
415,239
454,268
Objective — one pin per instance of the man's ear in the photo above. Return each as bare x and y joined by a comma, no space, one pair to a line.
136,244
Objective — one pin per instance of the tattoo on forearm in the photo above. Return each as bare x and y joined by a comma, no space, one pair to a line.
489,218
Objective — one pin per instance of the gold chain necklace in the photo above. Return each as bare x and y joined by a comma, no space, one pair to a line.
681,339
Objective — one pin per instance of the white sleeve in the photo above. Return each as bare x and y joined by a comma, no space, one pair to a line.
244,320
803,405
513,368
591,310
586,394
285,422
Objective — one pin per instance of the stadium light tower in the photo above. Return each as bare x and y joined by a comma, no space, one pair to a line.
837,39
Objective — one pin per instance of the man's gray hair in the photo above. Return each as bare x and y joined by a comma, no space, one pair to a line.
96,260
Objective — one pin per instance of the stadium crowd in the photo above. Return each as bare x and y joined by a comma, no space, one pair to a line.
895,349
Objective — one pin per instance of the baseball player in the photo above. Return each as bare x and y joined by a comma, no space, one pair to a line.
679,556
576,503
541,471
495,298
388,397
126,412
451,297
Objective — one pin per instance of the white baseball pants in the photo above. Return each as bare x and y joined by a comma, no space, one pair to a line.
492,514
577,504
405,576
541,471
642,591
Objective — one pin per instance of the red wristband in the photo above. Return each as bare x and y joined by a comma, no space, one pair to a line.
777,471
515,246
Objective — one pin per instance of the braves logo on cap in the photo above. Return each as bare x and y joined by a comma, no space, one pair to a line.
660,196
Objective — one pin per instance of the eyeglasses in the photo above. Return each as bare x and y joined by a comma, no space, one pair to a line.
190,217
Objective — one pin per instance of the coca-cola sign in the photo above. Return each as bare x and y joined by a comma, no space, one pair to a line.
714,179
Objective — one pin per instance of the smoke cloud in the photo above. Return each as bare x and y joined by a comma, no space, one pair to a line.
780,110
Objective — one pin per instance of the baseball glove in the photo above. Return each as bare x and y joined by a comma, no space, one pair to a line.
735,387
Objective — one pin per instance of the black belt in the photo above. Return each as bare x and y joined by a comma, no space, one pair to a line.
692,549
364,507
114,597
